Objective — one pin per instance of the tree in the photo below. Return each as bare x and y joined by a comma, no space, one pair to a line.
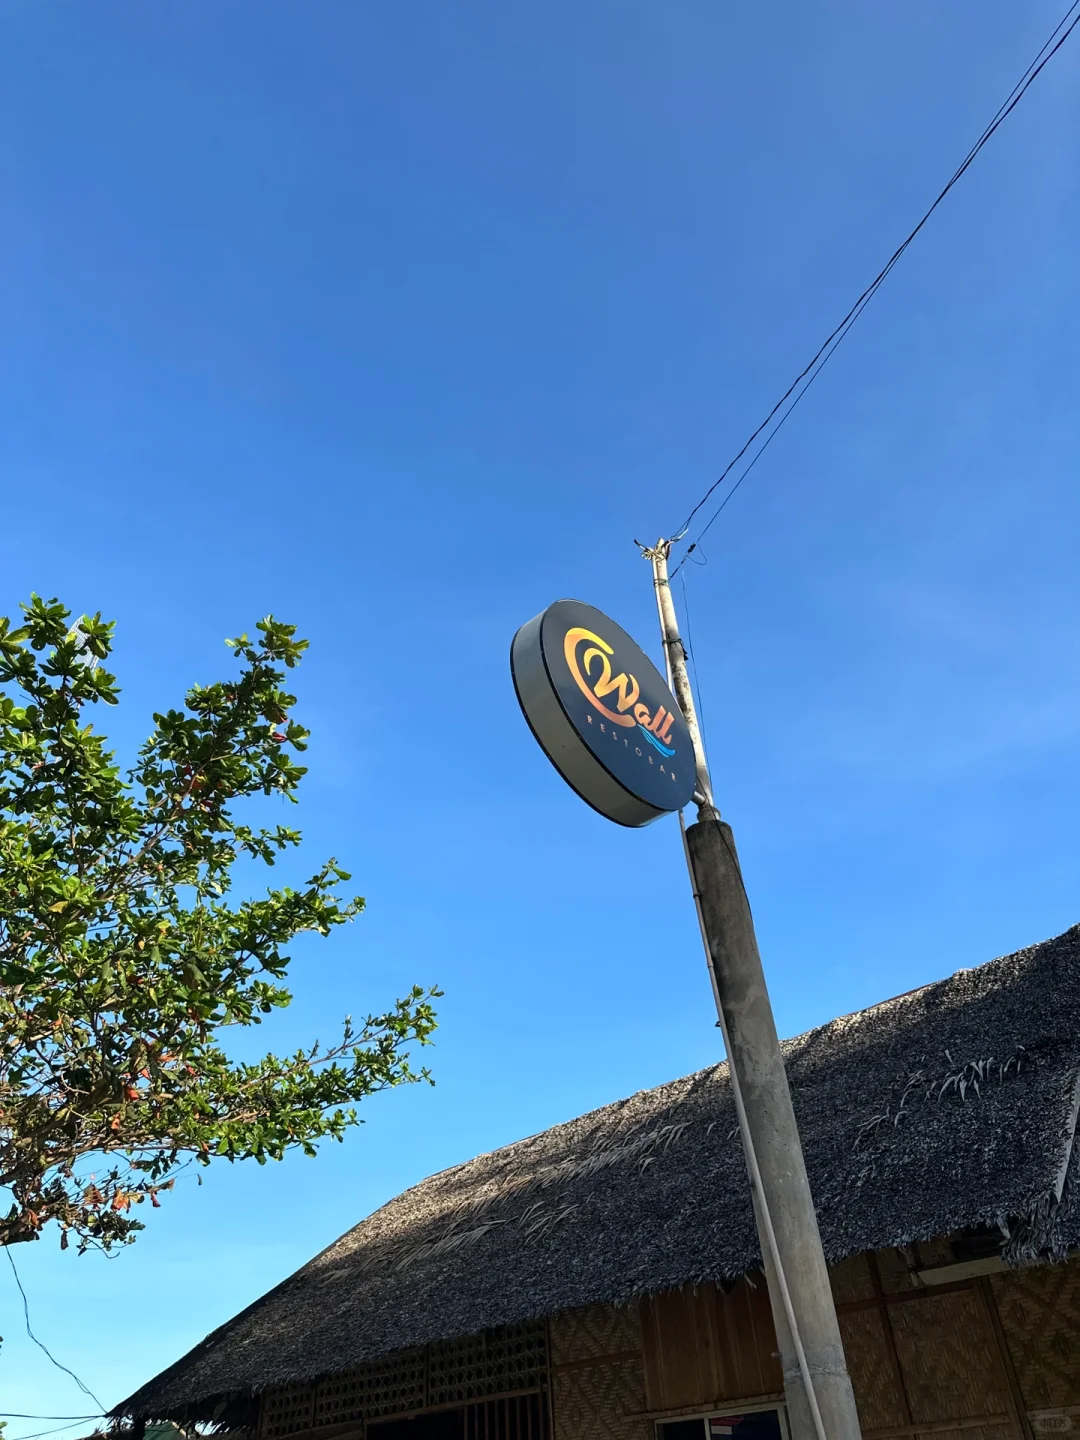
123,962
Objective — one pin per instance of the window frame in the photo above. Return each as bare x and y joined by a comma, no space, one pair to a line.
752,1407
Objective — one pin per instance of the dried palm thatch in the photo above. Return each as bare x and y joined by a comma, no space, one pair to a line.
952,1106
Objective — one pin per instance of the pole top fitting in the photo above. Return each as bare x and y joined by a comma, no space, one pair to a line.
660,551
706,808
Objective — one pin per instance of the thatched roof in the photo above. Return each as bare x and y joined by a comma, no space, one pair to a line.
949,1107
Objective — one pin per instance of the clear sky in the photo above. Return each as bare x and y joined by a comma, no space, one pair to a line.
402,321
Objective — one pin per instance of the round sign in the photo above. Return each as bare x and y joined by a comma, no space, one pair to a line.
603,714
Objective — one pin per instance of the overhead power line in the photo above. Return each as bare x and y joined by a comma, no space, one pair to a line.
806,377
44,1348
40,1434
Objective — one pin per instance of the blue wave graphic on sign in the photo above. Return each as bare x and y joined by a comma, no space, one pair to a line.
655,742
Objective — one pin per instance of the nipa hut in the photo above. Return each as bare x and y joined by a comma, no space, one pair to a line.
600,1281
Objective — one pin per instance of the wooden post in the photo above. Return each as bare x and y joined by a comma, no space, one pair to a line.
821,1404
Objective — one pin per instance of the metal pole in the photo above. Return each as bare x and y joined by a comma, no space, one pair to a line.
821,1405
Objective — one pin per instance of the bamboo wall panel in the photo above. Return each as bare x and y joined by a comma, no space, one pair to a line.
970,1432
851,1280
285,1410
594,1331
597,1383
601,1401
895,1273
387,1386
1040,1315
702,1345
948,1356
495,1362
878,1395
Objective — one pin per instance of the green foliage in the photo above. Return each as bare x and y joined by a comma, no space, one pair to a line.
122,960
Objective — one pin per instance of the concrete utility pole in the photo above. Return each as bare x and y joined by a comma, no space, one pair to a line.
821,1405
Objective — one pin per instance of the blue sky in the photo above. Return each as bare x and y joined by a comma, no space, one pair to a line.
403,321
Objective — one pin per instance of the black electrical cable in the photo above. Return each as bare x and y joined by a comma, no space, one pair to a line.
44,1348
810,372
40,1434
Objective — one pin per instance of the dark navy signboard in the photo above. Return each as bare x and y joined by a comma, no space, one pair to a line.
603,713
